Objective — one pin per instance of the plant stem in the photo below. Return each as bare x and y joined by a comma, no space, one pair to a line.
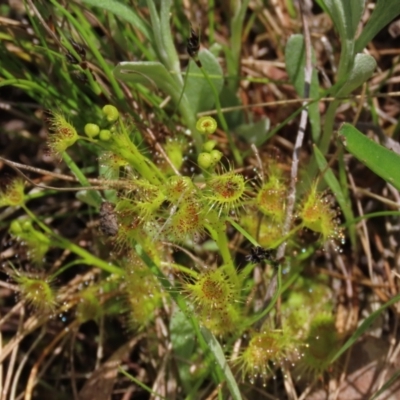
93,194
87,258
217,229
235,151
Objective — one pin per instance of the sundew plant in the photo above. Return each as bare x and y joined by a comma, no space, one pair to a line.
198,200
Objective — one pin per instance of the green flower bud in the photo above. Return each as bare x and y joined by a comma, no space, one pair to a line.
27,226
204,160
91,130
111,113
209,145
216,156
105,135
206,125
15,227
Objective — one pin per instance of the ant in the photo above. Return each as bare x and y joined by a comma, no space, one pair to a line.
259,254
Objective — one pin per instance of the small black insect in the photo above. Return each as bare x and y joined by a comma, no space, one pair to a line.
108,219
71,58
80,76
81,51
258,254
193,46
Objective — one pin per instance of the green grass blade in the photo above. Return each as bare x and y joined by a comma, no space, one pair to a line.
149,73
122,11
385,163
390,382
384,12
140,383
374,215
218,353
168,41
364,327
183,345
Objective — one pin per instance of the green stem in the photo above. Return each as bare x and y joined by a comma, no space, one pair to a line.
93,194
190,119
237,21
122,145
211,21
184,107
217,229
176,295
87,258
235,151
323,146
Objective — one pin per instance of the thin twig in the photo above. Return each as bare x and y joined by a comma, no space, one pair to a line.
43,22
12,361
22,362
17,167
296,151
305,101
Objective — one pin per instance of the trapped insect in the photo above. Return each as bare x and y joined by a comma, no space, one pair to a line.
108,219
258,254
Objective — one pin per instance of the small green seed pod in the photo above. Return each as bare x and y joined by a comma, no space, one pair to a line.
209,145
111,113
105,135
216,156
15,227
27,226
91,130
204,160
206,125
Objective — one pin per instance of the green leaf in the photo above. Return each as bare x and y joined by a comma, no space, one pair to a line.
363,68
295,59
183,344
122,11
383,162
346,15
167,39
148,73
198,92
238,9
340,195
217,352
228,99
163,41
384,12
254,133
